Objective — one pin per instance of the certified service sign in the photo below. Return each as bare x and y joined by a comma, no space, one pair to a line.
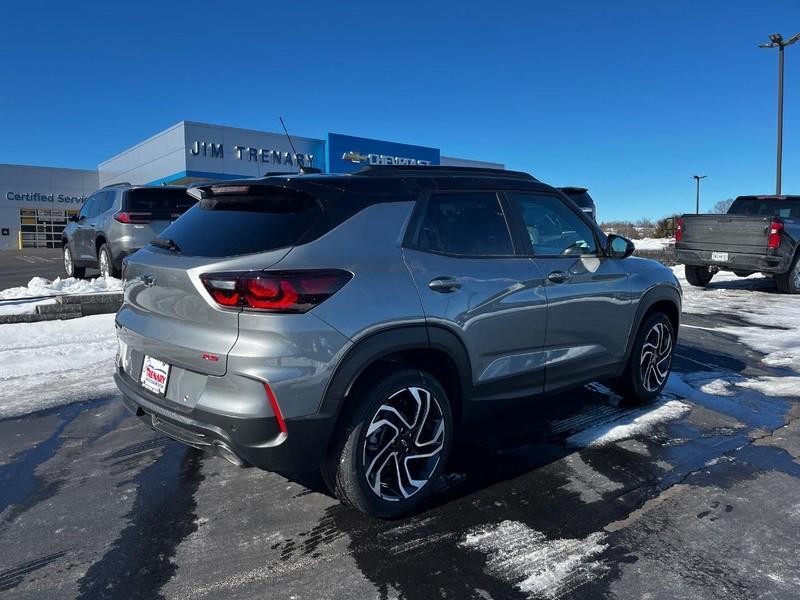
347,153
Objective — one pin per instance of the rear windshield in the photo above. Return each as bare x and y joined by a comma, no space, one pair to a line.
159,200
234,225
788,208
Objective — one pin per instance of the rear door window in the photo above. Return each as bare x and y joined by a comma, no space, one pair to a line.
465,224
105,203
267,219
88,207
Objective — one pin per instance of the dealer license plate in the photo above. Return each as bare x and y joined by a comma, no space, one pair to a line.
720,256
155,374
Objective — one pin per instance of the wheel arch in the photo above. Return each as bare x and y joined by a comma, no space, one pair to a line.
430,348
98,243
662,298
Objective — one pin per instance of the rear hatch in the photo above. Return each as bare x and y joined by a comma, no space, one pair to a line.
153,209
167,312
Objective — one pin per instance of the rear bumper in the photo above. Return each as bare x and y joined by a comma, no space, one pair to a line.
739,261
257,441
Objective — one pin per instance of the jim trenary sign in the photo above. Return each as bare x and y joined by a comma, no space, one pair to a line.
252,154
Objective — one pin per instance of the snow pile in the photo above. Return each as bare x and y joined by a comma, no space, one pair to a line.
52,363
653,243
535,565
22,307
628,424
39,286
754,300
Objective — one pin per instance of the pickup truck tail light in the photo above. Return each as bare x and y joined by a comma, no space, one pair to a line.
678,230
274,291
774,239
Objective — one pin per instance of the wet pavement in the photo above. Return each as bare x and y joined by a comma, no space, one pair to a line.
698,497
18,267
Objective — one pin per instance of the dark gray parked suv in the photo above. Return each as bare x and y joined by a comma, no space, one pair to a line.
355,322
116,221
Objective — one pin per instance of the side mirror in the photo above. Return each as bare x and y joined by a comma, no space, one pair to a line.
619,247
74,218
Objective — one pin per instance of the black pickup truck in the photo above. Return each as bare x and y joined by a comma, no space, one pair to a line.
759,234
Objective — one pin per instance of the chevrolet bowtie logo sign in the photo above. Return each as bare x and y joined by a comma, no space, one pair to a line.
381,159
355,157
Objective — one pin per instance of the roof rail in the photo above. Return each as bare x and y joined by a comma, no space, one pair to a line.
120,184
437,171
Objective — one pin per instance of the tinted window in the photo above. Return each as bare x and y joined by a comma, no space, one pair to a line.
466,224
105,202
787,208
236,225
88,207
553,228
159,200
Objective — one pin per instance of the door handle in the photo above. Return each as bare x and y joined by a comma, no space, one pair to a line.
559,276
444,285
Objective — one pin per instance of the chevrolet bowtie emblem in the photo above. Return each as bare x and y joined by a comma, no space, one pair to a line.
355,157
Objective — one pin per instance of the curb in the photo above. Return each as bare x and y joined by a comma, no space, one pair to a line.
69,307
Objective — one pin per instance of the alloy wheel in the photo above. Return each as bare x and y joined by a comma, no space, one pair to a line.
403,443
656,357
105,267
68,260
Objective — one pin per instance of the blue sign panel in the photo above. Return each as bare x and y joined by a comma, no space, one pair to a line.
347,153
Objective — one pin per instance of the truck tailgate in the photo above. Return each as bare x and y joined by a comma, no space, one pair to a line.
732,233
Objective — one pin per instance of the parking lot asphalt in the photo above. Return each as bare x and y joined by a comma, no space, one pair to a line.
540,504
18,267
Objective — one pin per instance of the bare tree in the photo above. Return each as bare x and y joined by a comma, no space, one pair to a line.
721,207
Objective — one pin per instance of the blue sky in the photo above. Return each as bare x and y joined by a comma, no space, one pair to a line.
629,98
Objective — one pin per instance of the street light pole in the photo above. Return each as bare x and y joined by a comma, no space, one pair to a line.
777,41
697,178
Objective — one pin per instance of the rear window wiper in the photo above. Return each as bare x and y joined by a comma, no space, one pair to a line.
167,244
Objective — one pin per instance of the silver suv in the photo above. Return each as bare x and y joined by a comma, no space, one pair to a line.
356,322
116,221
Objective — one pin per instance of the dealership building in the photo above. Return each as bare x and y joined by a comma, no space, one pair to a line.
37,201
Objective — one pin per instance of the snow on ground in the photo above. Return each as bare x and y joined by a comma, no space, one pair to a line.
22,307
653,243
51,363
537,566
627,424
39,286
755,300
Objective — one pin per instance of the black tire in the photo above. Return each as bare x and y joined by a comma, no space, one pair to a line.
633,386
69,264
107,268
698,276
789,282
353,468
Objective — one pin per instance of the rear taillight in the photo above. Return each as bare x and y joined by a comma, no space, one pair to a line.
678,229
274,291
774,239
133,217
